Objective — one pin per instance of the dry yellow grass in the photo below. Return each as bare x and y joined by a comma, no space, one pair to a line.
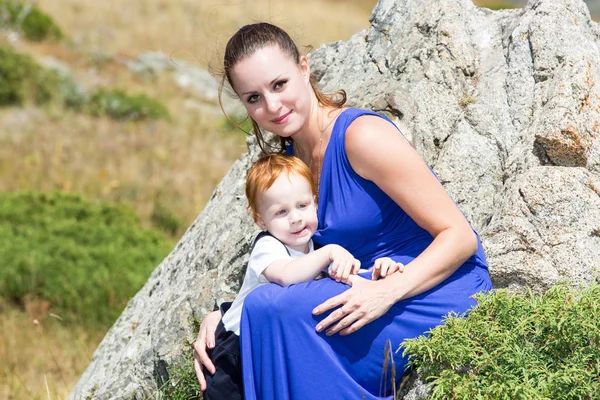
200,27
41,360
176,163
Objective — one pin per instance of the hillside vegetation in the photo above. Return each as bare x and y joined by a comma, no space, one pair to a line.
101,168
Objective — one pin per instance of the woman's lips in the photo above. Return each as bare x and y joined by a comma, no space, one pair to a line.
282,119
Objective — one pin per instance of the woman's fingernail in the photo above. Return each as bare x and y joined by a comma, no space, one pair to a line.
316,310
319,328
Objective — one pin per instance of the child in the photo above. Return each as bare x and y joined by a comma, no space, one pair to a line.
281,195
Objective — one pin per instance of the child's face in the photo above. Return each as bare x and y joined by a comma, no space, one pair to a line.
288,211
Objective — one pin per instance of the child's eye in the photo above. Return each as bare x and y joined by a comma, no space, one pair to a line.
303,206
280,84
252,99
280,212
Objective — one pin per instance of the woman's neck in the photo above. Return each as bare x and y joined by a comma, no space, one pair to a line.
312,140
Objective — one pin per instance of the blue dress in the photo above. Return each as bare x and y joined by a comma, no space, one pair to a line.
283,357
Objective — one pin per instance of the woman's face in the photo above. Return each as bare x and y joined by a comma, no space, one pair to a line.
274,89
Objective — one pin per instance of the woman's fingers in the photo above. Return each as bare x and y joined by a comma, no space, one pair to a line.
199,372
330,319
329,304
347,320
201,354
364,302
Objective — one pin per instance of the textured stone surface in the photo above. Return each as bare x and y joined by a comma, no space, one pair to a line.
505,107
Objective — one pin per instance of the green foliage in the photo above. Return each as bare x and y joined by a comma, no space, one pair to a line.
22,79
496,4
165,219
27,18
238,124
120,105
86,258
516,347
182,384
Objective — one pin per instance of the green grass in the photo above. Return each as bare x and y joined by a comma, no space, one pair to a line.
496,4
516,347
27,18
119,105
86,258
22,79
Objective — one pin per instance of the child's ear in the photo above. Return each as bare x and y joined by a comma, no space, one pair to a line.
261,224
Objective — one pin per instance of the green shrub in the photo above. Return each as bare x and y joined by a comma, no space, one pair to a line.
182,383
237,123
120,105
86,258
29,19
165,219
22,79
496,4
516,347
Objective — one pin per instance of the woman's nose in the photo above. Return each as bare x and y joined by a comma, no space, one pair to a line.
273,103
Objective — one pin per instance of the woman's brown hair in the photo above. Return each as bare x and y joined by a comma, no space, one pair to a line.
251,38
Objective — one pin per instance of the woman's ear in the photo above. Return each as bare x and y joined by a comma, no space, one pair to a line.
305,69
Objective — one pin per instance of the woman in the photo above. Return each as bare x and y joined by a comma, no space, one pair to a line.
324,339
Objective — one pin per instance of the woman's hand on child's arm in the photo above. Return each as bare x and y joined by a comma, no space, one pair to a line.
343,264
205,339
385,266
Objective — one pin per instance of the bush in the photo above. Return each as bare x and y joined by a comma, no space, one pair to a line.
120,105
22,79
516,347
165,219
182,383
497,4
86,258
28,19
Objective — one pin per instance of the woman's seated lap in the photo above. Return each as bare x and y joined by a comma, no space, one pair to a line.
325,339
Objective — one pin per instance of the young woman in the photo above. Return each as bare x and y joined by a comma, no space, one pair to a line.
376,197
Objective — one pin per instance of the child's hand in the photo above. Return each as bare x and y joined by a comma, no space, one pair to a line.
343,264
385,266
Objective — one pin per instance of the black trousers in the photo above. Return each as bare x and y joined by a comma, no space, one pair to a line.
226,383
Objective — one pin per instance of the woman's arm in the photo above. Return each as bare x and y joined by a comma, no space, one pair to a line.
379,153
309,266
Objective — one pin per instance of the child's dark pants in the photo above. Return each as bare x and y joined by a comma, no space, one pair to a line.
226,383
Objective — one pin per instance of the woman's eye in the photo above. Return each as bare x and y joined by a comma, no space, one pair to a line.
252,99
280,84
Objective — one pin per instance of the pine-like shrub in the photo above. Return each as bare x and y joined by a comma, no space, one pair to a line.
87,259
119,105
515,346
26,17
22,79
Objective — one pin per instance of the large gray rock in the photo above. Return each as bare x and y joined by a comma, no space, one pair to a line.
504,105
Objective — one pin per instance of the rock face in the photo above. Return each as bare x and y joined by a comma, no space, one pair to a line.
504,105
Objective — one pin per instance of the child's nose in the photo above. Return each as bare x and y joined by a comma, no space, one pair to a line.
295,216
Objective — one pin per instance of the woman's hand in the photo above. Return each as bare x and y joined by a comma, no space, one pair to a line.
205,339
364,302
